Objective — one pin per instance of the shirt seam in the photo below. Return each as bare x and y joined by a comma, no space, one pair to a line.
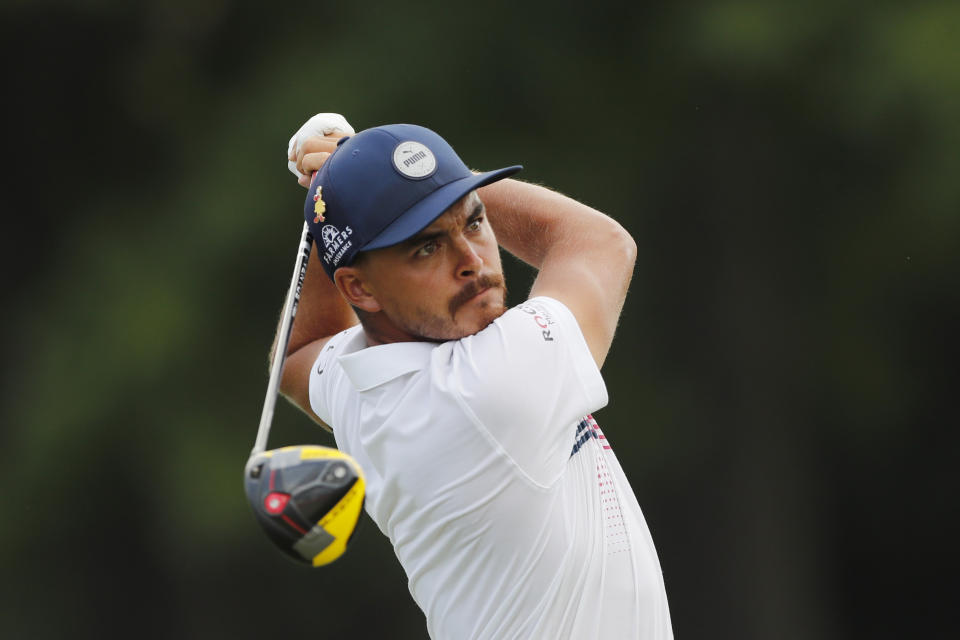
478,424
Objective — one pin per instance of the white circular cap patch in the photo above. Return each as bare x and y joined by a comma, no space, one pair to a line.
414,160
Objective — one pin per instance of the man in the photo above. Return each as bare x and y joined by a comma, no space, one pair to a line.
503,500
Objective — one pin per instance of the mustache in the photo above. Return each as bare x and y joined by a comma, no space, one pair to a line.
486,281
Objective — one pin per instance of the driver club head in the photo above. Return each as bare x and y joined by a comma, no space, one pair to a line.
307,498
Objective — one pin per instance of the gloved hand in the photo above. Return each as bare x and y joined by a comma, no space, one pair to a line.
329,126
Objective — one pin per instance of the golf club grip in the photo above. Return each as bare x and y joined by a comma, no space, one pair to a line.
283,338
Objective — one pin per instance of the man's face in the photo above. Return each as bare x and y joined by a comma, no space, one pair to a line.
446,282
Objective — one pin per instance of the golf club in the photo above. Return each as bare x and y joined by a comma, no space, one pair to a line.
307,498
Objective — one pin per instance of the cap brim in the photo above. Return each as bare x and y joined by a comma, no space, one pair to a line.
417,217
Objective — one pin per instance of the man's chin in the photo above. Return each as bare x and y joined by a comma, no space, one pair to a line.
468,322
483,315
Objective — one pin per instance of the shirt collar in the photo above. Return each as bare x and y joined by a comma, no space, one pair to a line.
369,367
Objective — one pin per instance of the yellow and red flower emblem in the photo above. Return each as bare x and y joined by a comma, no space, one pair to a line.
318,205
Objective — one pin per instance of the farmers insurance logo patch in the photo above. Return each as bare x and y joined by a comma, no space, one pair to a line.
335,243
414,160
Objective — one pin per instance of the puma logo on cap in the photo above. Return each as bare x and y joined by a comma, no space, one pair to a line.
414,160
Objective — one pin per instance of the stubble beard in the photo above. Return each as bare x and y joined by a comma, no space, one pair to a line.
432,327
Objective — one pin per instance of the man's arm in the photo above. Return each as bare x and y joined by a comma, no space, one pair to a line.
322,312
585,259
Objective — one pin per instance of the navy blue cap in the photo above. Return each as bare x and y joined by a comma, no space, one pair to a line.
382,186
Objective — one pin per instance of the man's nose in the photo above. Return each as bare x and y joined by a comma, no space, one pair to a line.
470,261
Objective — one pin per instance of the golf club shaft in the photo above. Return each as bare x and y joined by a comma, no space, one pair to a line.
283,338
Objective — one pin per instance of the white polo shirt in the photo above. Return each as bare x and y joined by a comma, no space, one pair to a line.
503,499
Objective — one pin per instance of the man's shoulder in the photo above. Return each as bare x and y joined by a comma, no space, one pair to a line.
532,343
537,324
366,366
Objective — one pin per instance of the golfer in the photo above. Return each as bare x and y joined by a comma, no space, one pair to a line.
503,499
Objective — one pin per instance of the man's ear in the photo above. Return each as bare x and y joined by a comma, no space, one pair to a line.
349,281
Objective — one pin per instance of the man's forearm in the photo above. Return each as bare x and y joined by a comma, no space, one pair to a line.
584,259
531,221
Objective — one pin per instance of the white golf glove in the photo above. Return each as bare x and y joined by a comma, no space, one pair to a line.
322,124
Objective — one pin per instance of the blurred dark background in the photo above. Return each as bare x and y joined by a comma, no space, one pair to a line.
780,387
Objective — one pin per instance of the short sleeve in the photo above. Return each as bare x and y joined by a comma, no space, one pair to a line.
528,379
326,374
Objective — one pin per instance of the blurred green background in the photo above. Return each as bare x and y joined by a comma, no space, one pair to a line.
780,392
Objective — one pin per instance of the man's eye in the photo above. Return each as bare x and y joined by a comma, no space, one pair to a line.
427,249
475,224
